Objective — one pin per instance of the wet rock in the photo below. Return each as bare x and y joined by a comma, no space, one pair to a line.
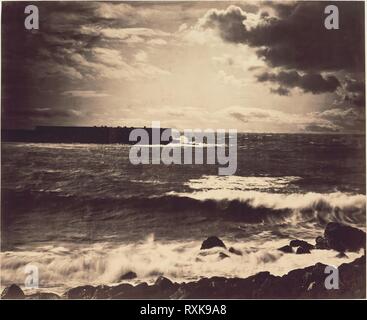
128,276
222,255
102,292
301,243
235,251
12,292
297,284
163,283
43,296
121,291
344,238
82,292
321,243
141,286
163,288
286,249
302,250
212,242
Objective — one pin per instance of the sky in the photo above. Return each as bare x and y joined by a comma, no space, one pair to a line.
252,66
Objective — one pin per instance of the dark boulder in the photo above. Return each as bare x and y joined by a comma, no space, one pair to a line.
235,251
12,292
212,242
163,283
102,292
344,238
81,292
128,276
301,243
121,291
321,243
286,249
302,250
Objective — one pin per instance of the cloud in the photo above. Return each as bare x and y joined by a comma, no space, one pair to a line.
97,63
330,120
117,11
224,59
355,92
84,94
281,91
346,118
48,69
309,82
297,39
325,127
123,34
141,56
230,79
157,42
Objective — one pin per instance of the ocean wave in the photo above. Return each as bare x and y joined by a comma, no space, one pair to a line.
320,207
61,266
229,183
244,206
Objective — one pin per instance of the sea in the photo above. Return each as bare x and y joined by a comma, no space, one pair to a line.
83,214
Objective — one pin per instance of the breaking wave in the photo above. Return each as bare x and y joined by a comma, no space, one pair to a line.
245,206
255,205
61,266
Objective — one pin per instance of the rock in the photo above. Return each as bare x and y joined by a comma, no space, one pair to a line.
301,243
82,292
311,286
306,283
344,238
212,242
321,243
142,286
128,276
43,296
222,255
286,249
235,251
102,292
121,291
12,292
341,255
163,283
302,250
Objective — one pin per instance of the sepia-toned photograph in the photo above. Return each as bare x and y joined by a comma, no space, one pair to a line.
183,150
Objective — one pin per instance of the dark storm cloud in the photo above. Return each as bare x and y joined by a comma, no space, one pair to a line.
354,85
355,92
310,82
295,39
298,39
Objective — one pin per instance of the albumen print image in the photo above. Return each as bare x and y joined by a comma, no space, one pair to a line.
183,150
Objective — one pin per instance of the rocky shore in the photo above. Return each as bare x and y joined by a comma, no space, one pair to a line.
303,283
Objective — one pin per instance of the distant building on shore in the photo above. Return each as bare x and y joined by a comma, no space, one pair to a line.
69,134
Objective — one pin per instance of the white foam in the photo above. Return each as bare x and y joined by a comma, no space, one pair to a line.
62,267
225,183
